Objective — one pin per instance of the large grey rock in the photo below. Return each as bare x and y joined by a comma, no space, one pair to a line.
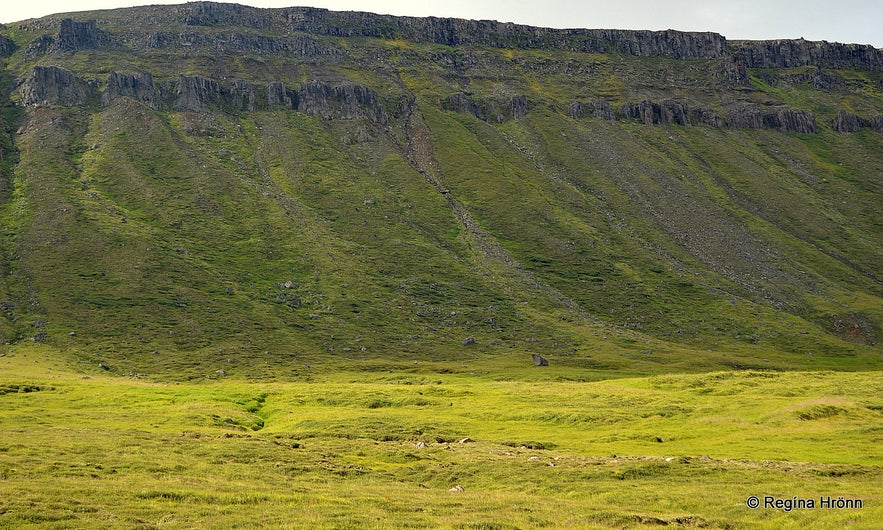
277,95
489,110
195,93
847,122
138,86
72,36
242,96
7,46
75,36
783,118
52,85
347,101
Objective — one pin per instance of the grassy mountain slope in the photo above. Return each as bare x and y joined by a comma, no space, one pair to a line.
464,200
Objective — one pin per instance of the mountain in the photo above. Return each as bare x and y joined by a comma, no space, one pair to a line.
207,189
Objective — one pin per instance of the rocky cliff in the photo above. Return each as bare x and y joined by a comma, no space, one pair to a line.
301,23
457,32
72,36
53,86
800,52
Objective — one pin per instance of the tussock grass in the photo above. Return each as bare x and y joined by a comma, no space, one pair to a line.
360,449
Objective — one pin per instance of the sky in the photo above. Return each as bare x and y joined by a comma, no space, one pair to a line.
853,21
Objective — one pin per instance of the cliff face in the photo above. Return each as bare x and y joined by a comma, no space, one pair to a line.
458,32
307,30
53,86
306,22
72,36
792,53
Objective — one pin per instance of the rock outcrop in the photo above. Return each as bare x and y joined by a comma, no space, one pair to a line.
56,86
666,113
847,122
457,32
80,36
491,111
242,96
51,85
348,101
671,112
196,93
782,117
736,72
301,46
7,46
278,95
800,52
599,108
72,36
138,86
819,78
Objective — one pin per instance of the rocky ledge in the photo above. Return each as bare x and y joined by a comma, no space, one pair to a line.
299,23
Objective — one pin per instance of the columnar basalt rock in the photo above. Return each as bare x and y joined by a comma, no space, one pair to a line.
456,32
52,85
847,122
800,52
347,101
599,108
138,86
195,93
277,95
783,118
7,46
80,36
72,36
242,96
669,112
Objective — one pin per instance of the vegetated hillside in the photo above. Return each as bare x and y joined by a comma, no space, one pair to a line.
212,189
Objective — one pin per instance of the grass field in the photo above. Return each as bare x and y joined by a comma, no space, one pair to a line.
530,448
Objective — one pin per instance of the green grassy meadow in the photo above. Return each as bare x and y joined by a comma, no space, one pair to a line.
530,447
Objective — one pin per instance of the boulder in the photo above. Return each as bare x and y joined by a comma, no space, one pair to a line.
538,360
